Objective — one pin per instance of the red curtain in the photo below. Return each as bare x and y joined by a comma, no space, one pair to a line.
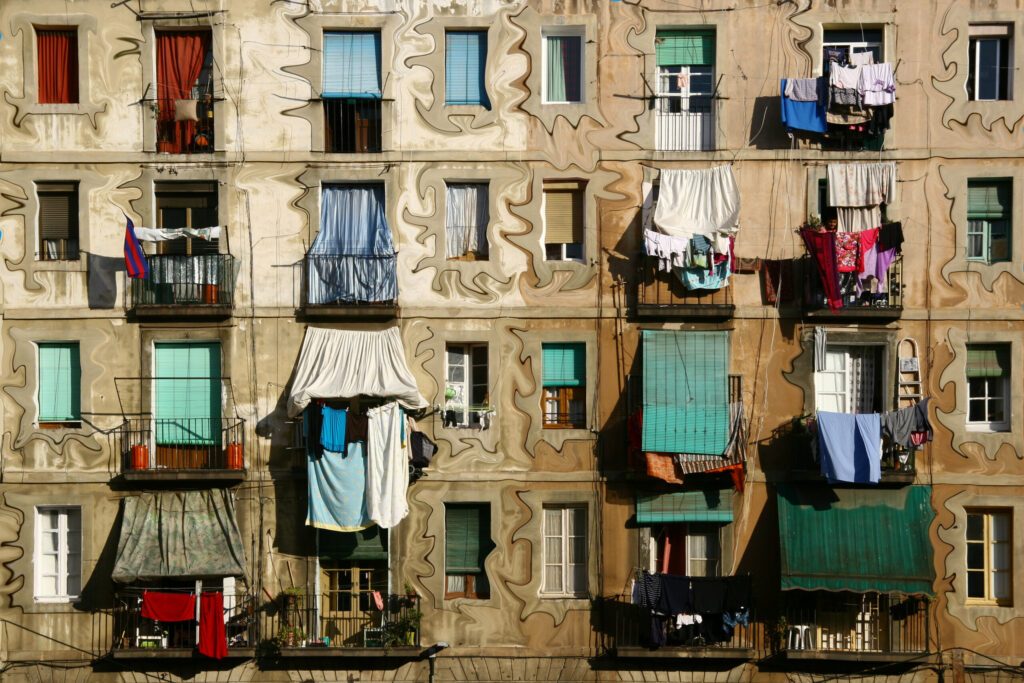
672,550
58,66
179,59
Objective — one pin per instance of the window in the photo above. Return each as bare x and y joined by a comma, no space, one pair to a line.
467,214
350,586
58,553
989,76
563,220
60,391
685,86
563,70
188,404
851,381
58,221
565,551
465,62
989,207
467,534
989,556
466,394
57,65
689,549
184,91
988,387
564,380
352,92
186,205
844,46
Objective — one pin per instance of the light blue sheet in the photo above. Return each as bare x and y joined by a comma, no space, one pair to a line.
337,490
850,447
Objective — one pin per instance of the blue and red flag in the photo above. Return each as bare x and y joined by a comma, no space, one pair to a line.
134,258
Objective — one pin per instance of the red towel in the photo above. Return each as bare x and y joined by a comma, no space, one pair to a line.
822,247
213,639
168,606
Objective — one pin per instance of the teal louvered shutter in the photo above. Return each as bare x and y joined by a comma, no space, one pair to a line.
709,505
60,378
352,64
467,530
685,392
564,365
465,61
988,199
685,48
188,393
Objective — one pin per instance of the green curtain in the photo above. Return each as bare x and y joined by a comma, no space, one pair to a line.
989,199
685,48
556,68
988,360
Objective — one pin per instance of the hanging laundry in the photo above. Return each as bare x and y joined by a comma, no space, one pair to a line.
867,278
671,252
877,84
332,428
778,281
697,202
900,426
890,236
804,89
843,85
213,641
847,252
336,498
387,471
850,447
809,116
862,58
867,184
168,607
822,247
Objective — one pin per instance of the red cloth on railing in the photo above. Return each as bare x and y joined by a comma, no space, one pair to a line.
168,606
822,248
213,638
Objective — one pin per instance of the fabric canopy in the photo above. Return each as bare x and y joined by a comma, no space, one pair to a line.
697,202
179,534
343,364
860,540
711,505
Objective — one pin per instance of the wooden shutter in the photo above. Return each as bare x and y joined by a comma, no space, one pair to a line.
60,377
685,48
563,212
988,360
58,211
564,365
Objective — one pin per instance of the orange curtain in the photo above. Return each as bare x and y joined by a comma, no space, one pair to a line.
179,60
58,66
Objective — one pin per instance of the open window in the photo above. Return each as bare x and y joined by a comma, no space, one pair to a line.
352,92
187,205
852,380
990,56
467,537
685,87
58,221
184,91
849,46
563,65
989,219
466,387
467,215
564,383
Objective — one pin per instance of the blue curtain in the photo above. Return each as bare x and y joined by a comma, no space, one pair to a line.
464,63
353,255
351,64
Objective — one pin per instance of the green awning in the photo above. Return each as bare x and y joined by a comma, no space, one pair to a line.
368,544
860,540
713,505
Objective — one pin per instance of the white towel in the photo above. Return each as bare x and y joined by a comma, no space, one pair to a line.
387,466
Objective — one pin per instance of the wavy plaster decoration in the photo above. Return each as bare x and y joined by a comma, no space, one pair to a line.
12,520
993,446
15,229
1001,118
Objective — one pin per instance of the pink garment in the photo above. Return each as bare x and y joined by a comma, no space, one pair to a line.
847,245
867,258
882,263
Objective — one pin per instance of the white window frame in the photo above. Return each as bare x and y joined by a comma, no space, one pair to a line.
664,94
462,403
982,228
66,564
979,33
712,533
990,543
578,31
985,398
858,45
843,396
566,569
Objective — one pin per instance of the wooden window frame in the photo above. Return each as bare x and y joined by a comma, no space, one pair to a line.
988,516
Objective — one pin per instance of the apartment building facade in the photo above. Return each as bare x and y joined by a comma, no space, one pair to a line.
343,205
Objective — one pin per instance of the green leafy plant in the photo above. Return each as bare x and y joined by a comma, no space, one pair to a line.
402,631
290,636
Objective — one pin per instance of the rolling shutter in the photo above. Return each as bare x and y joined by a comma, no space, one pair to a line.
465,62
988,200
564,365
563,212
352,64
988,360
60,391
685,48
467,538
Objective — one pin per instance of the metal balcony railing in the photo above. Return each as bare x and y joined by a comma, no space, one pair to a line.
632,628
186,443
896,459
132,631
185,280
349,280
344,619
855,302
685,124
352,125
876,623
662,294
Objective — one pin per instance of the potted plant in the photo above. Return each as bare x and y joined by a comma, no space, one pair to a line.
290,636
290,597
403,631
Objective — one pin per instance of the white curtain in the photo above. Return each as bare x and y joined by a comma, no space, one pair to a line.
466,219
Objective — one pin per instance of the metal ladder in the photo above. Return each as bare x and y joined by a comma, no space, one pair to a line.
908,374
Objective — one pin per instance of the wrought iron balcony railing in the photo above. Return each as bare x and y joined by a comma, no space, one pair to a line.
166,445
177,281
347,280
345,620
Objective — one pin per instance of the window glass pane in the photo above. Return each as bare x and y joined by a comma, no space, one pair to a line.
456,583
975,584
47,563
1001,556
1000,527
553,579
988,69
1001,585
553,549
47,586
975,527
975,556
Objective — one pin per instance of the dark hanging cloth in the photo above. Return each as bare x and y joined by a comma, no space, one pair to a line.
168,607
312,419
356,428
213,640
423,449
708,594
676,595
778,281
890,236
648,590
880,118
737,594
822,247
900,425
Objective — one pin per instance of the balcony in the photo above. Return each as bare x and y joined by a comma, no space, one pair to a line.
661,295
899,464
136,637
345,623
632,633
349,286
684,124
886,305
869,627
352,125
185,286
183,449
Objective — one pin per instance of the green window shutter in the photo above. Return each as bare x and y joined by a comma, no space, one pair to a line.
368,544
988,360
60,378
564,365
685,392
989,199
188,393
685,48
712,505
467,529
